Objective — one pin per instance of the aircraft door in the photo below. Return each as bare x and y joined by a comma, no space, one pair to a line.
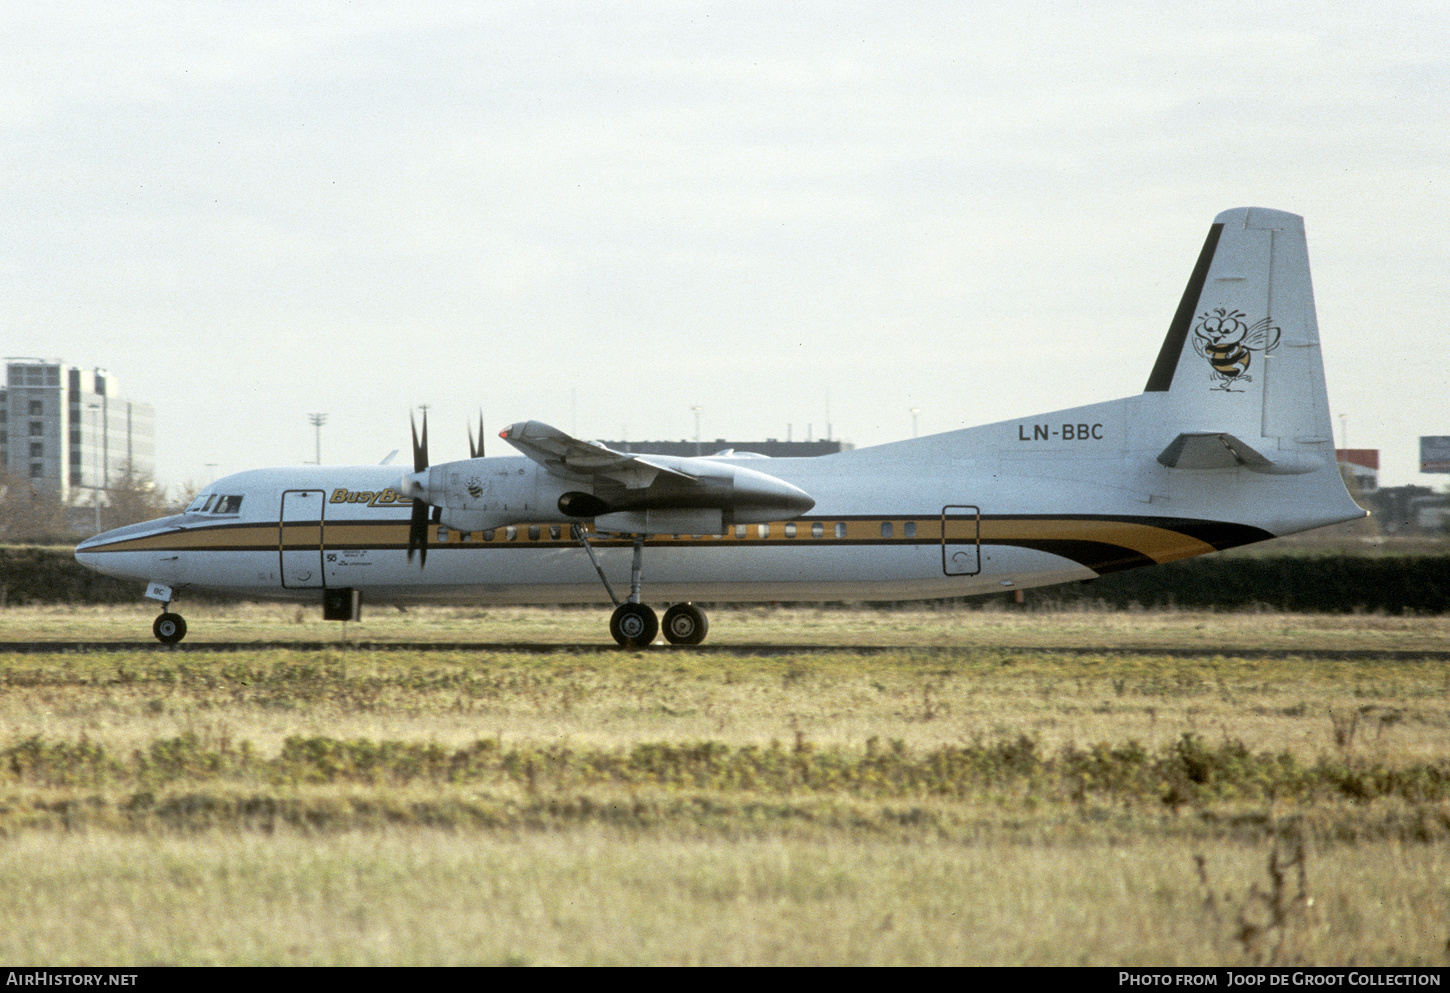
300,538
961,540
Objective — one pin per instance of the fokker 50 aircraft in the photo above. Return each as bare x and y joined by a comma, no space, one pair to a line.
1229,443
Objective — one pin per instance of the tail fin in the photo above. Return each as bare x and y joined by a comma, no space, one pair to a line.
1241,364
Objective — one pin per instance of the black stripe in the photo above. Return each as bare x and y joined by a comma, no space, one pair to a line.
1219,534
1162,376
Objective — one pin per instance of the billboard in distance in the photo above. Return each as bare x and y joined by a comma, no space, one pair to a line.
1434,453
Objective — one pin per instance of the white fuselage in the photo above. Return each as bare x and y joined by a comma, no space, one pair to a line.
1049,499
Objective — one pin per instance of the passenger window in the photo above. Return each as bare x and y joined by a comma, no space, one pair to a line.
908,529
443,535
818,530
790,529
488,535
510,533
886,529
763,530
533,532
840,529
740,530
554,532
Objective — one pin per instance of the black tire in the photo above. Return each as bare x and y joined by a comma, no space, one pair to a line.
633,625
685,624
169,628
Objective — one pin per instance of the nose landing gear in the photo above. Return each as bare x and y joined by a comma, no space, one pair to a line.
169,628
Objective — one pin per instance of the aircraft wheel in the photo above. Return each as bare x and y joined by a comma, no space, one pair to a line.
634,625
685,624
169,628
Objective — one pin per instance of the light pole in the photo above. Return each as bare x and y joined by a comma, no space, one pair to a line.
914,412
95,410
697,408
317,421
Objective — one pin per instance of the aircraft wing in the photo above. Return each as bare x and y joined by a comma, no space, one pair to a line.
626,492
573,459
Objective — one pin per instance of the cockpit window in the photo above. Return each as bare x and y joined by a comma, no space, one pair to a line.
228,505
211,503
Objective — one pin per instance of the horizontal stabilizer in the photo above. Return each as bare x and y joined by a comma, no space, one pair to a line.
1219,450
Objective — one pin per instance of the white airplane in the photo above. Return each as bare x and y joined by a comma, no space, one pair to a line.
1229,443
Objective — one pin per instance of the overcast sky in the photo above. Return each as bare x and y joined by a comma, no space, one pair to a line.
791,215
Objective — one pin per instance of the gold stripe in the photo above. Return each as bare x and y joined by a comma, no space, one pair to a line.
1157,543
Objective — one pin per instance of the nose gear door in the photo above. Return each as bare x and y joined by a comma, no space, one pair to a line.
300,538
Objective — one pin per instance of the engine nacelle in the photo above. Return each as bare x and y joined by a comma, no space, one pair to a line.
483,494
703,496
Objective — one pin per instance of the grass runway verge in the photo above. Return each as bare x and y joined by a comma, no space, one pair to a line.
1000,805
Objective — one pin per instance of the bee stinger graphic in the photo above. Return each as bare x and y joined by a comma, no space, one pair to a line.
1225,338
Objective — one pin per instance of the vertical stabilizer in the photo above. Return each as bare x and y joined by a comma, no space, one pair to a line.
1241,362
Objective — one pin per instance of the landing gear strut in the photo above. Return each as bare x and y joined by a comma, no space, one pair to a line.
634,625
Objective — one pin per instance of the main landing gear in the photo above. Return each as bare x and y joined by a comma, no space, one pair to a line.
633,624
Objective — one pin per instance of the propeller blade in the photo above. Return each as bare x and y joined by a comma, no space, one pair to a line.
418,523
420,450
476,451
418,533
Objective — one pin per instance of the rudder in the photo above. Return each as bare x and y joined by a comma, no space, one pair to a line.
1241,362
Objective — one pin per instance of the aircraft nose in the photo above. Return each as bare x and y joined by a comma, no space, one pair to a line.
110,552
86,551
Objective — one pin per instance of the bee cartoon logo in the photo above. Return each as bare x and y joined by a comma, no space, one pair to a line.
475,487
1227,340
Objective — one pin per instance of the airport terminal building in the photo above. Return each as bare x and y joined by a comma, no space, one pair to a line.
70,432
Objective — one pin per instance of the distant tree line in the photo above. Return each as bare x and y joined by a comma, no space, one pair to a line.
34,515
1336,584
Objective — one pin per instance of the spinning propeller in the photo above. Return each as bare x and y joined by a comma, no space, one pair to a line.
476,452
416,486
418,525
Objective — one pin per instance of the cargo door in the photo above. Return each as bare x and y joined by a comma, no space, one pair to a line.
961,540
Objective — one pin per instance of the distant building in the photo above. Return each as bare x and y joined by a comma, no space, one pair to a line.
1434,453
70,432
1409,509
1363,464
770,447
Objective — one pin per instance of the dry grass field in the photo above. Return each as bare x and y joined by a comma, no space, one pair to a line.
961,795
949,625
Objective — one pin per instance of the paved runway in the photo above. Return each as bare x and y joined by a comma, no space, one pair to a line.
601,648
